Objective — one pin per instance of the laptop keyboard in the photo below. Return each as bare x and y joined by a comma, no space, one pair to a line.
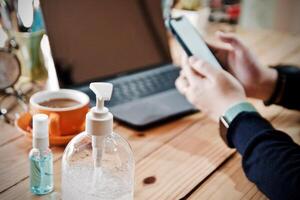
148,84
138,85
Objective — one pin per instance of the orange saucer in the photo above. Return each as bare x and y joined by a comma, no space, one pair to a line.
23,125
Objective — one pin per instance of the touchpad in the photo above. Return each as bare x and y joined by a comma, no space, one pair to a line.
144,111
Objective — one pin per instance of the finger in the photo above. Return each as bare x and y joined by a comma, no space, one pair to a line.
183,74
187,70
216,48
182,84
229,38
184,56
203,68
190,74
190,95
184,61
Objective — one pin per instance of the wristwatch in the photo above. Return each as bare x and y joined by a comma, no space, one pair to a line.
229,116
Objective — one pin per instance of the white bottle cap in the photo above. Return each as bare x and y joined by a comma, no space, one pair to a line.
99,121
40,131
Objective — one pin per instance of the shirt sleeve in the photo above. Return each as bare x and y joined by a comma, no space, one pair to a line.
287,91
270,158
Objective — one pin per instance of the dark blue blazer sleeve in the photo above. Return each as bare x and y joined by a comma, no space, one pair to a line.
291,91
270,158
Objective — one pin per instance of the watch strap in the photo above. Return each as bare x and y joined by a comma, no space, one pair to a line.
277,94
234,110
230,115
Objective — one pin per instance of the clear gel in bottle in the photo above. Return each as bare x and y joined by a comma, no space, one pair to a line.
40,157
98,163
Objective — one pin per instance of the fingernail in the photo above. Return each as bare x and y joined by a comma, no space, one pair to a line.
193,60
220,33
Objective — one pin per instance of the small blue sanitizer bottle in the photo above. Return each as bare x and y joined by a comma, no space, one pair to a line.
40,157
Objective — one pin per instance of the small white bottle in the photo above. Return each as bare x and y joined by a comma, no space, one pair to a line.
40,157
98,163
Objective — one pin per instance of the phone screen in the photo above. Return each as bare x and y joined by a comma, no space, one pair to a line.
191,41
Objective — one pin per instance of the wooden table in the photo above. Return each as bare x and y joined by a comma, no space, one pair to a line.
187,156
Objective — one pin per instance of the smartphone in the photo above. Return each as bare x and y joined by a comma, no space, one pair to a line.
190,40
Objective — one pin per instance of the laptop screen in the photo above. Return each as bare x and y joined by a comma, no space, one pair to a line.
94,39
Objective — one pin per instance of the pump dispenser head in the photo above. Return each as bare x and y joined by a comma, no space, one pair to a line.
103,93
40,134
99,121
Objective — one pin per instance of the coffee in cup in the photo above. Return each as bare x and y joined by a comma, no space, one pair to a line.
59,103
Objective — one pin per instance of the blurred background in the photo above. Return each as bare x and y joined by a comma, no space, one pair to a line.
26,63
23,21
279,15
282,15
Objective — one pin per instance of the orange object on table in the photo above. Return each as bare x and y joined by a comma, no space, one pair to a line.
24,124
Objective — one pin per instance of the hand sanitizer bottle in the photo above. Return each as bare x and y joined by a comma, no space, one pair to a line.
40,156
98,163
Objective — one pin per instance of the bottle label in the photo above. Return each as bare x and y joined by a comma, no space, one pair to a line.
41,174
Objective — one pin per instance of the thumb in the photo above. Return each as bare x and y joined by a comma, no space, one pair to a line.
203,68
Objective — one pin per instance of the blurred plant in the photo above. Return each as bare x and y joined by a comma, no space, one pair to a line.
191,4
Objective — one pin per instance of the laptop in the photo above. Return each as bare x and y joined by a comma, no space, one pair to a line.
123,42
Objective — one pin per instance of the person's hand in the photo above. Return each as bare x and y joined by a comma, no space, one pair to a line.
259,81
210,89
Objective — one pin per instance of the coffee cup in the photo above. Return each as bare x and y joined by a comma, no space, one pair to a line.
66,109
